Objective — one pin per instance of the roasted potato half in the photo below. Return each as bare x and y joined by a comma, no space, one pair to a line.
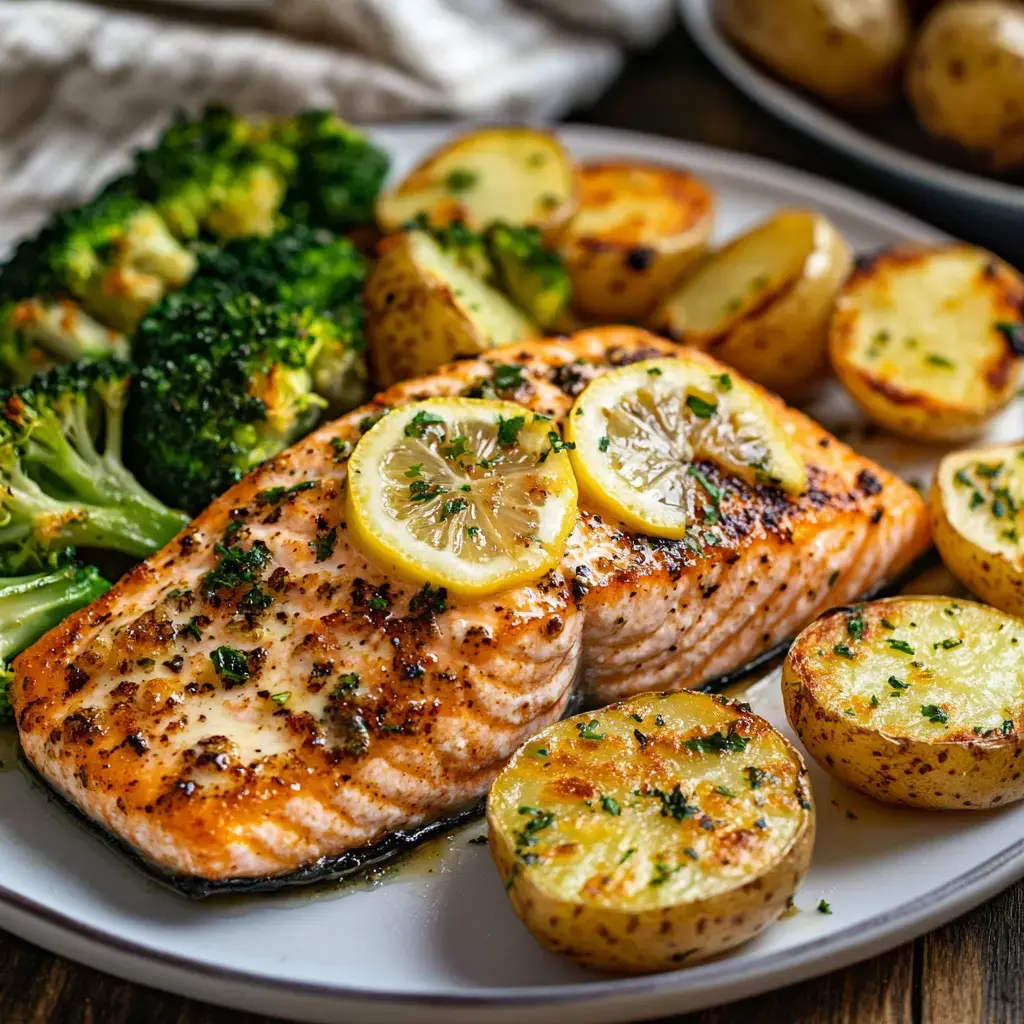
847,52
424,308
977,511
965,78
638,229
928,340
913,700
656,832
517,175
764,302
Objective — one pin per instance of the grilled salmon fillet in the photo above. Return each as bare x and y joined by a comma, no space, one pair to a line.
259,695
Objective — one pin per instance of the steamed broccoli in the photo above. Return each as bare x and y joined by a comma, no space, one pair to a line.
217,173
301,269
338,171
32,605
532,276
226,387
63,481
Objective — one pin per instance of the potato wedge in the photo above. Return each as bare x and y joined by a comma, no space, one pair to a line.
913,700
928,340
965,78
846,52
637,231
658,831
514,174
423,308
764,302
977,510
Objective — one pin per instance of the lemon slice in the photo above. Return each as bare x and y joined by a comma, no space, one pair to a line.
463,493
640,433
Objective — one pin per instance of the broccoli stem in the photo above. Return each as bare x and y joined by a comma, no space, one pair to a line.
32,605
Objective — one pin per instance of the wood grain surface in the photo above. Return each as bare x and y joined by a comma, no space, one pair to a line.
966,973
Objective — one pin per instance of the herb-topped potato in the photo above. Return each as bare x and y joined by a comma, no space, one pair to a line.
913,700
977,510
658,831
763,302
513,174
928,341
639,228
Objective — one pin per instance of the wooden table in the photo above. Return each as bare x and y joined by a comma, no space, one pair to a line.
964,973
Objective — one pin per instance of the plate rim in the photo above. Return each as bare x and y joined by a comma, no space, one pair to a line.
789,105
107,951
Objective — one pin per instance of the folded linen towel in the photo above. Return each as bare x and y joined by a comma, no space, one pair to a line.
81,85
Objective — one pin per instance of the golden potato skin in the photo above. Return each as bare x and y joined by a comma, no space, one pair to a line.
984,551
735,880
965,766
921,339
965,78
638,229
419,313
846,51
779,336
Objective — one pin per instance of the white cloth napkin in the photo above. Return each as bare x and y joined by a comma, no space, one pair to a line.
81,85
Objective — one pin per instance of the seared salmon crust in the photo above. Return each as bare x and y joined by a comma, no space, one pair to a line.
258,695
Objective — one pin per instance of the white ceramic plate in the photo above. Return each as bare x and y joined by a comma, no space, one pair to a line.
439,943
986,195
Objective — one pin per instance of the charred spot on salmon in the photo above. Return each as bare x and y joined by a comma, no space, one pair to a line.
868,482
75,677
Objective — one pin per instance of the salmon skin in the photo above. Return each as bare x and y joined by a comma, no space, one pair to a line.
259,699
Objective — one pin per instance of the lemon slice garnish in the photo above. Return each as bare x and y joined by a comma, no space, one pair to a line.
642,431
463,493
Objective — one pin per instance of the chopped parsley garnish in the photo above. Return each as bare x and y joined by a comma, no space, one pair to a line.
414,471
714,491
236,566
347,681
724,791
341,448
843,651
430,600
556,444
610,805
282,698
824,907
900,645
508,376
230,664
700,408
588,730
654,371
425,490
417,426
719,743
755,776
192,627
933,359
1014,334
378,603
856,626
539,820
461,179
934,714
723,380
673,804
456,446
874,700
508,429
323,546
452,507
472,531
1007,727
255,600
629,853
948,644
662,873
887,624
897,684
640,738
603,444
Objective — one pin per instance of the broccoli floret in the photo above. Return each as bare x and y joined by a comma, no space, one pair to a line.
302,269
114,256
63,479
338,171
217,173
226,387
531,275
32,605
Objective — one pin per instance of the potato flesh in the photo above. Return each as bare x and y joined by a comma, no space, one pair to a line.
734,815
744,276
964,659
983,494
929,327
514,175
